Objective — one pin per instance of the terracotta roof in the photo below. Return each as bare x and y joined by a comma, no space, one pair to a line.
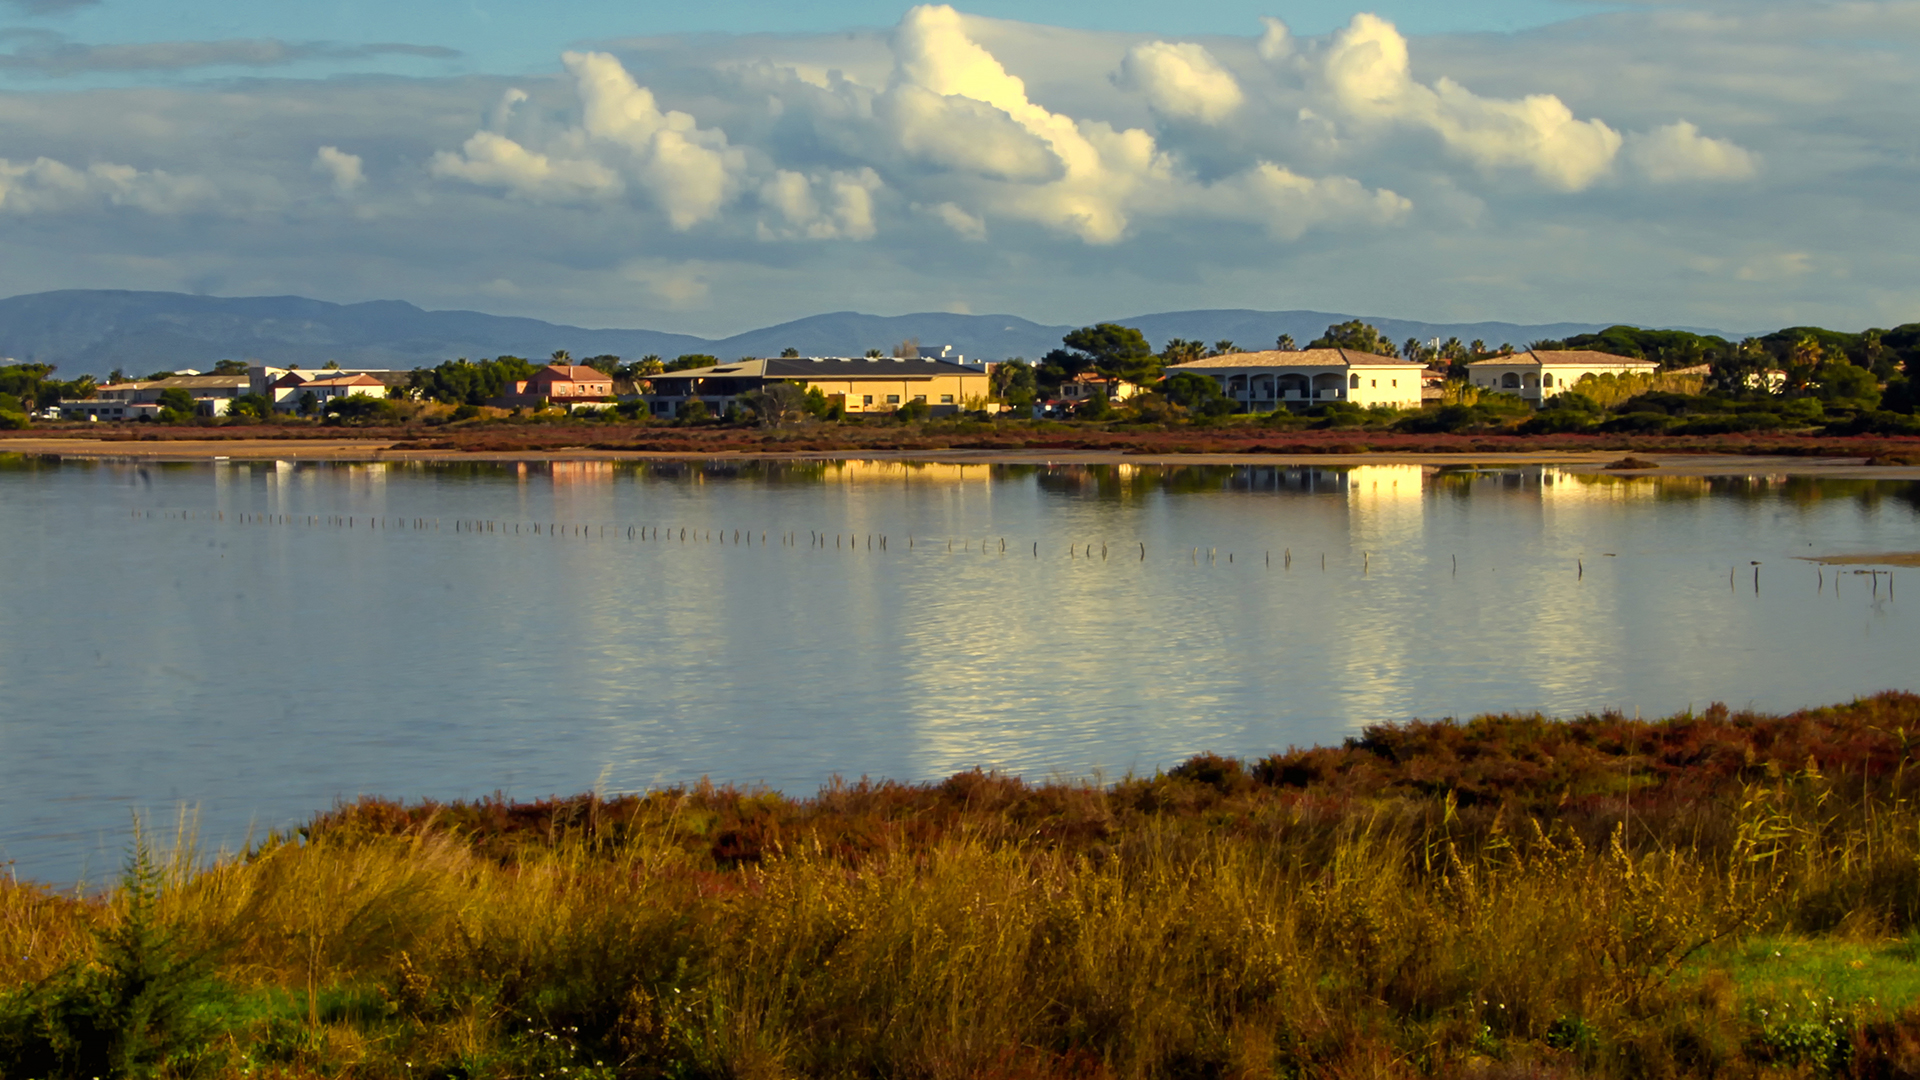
1569,357
1295,358
574,373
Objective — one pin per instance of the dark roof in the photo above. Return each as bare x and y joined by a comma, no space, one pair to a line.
825,367
786,367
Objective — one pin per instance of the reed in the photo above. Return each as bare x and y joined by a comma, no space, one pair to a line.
1509,895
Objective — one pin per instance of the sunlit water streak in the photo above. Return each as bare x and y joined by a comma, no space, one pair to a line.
182,634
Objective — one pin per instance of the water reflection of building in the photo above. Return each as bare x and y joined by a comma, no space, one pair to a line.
580,472
894,472
1385,504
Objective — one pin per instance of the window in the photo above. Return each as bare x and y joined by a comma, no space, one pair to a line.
922,398
1511,380
866,399
946,399
893,399
1396,382
1546,380
1373,382
1353,382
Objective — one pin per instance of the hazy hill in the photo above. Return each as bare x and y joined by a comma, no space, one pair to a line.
94,331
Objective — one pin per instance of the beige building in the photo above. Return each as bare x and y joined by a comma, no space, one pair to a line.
1539,375
1265,381
875,386
319,387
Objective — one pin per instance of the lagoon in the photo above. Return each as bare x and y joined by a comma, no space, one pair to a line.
257,640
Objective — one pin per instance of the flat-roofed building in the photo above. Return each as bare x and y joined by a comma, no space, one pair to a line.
211,395
1538,374
864,386
1299,378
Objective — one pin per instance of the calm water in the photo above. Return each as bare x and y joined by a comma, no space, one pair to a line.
154,653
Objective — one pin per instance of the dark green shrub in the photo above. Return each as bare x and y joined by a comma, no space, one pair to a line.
1446,418
1637,422
360,409
1875,422
137,1011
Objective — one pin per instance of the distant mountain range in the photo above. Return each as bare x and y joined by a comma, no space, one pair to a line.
91,331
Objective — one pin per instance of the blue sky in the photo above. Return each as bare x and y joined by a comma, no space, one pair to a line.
1744,164
512,38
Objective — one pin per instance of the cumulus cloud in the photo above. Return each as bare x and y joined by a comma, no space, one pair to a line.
1678,152
1276,41
47,186
342,168
623,137
1367,74
1181,80
832,207
490,159
1107,176
952,130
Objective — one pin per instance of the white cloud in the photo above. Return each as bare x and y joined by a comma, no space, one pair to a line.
1276,41
1287,204
690,170
623,136
966,225
490,159
959,133
1182,80
838,206
342,168
1366,71
1679,152
46,186
1108,176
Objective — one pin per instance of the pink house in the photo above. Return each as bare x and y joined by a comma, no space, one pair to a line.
561,384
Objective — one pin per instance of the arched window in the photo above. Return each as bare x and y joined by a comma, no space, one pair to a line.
1354,382
1546,380
1511,380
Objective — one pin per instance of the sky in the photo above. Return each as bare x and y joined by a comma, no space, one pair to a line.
1735,164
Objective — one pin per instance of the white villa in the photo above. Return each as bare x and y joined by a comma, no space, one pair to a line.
1265,381
1538,375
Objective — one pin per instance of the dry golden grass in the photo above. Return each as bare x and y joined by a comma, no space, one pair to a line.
1201,923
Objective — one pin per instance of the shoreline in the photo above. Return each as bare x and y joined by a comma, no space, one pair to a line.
367,451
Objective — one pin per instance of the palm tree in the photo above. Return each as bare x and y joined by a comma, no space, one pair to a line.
1284,343
562,357
789,353
875,354
1224,347
1180,350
